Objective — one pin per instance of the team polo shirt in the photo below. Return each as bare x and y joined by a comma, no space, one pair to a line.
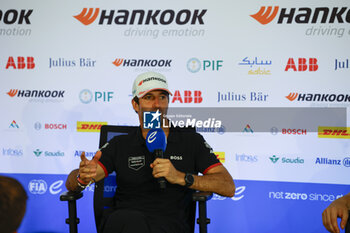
137,189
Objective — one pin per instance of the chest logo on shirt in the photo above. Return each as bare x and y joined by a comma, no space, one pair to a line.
136,162
175,157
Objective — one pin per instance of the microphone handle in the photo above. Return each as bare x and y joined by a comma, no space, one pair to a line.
161,180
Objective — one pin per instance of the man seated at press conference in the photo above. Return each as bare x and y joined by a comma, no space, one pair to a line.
337,209
140,204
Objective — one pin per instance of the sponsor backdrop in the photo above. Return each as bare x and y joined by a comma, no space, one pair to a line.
66,68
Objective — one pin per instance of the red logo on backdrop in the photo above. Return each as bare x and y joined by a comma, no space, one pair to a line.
20,63
86,16
292,96
187,97
265,16
294,131
12,92
302,65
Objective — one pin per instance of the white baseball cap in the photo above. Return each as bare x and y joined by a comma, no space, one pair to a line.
147,82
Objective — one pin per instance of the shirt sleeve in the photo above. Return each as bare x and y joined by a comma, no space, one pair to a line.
107,159
204,155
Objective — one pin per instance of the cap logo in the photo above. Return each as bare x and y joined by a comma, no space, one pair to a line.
140,83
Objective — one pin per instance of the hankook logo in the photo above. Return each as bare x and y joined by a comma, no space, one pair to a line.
141,17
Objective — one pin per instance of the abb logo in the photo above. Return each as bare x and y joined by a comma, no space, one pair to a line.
294,131
264,16
188,98
302,64
22,63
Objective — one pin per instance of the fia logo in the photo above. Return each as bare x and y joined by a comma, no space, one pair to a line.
151,120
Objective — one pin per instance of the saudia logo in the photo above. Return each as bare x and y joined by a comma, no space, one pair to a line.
141,17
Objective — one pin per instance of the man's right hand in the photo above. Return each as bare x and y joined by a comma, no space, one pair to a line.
88,168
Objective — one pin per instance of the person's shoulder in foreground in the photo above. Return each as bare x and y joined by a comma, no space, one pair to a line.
13,199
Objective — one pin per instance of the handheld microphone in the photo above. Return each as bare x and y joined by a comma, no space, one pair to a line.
156,144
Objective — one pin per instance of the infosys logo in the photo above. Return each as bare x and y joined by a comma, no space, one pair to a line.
141,17
89,126
303,15
293,96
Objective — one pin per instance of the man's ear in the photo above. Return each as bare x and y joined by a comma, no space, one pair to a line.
135,105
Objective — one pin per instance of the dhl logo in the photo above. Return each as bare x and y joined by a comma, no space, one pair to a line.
292,96
117,62
333,132
12,92
264,16
89,126
87,17
220,156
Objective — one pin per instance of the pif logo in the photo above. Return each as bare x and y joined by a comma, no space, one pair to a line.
21,64
188,98
89,126
302,64
194,65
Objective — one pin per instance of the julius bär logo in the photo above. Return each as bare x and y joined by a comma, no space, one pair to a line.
265,15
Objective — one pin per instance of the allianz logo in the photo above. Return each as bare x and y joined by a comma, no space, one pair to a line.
337,162
39,153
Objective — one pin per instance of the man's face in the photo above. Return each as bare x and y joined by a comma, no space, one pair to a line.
151,102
